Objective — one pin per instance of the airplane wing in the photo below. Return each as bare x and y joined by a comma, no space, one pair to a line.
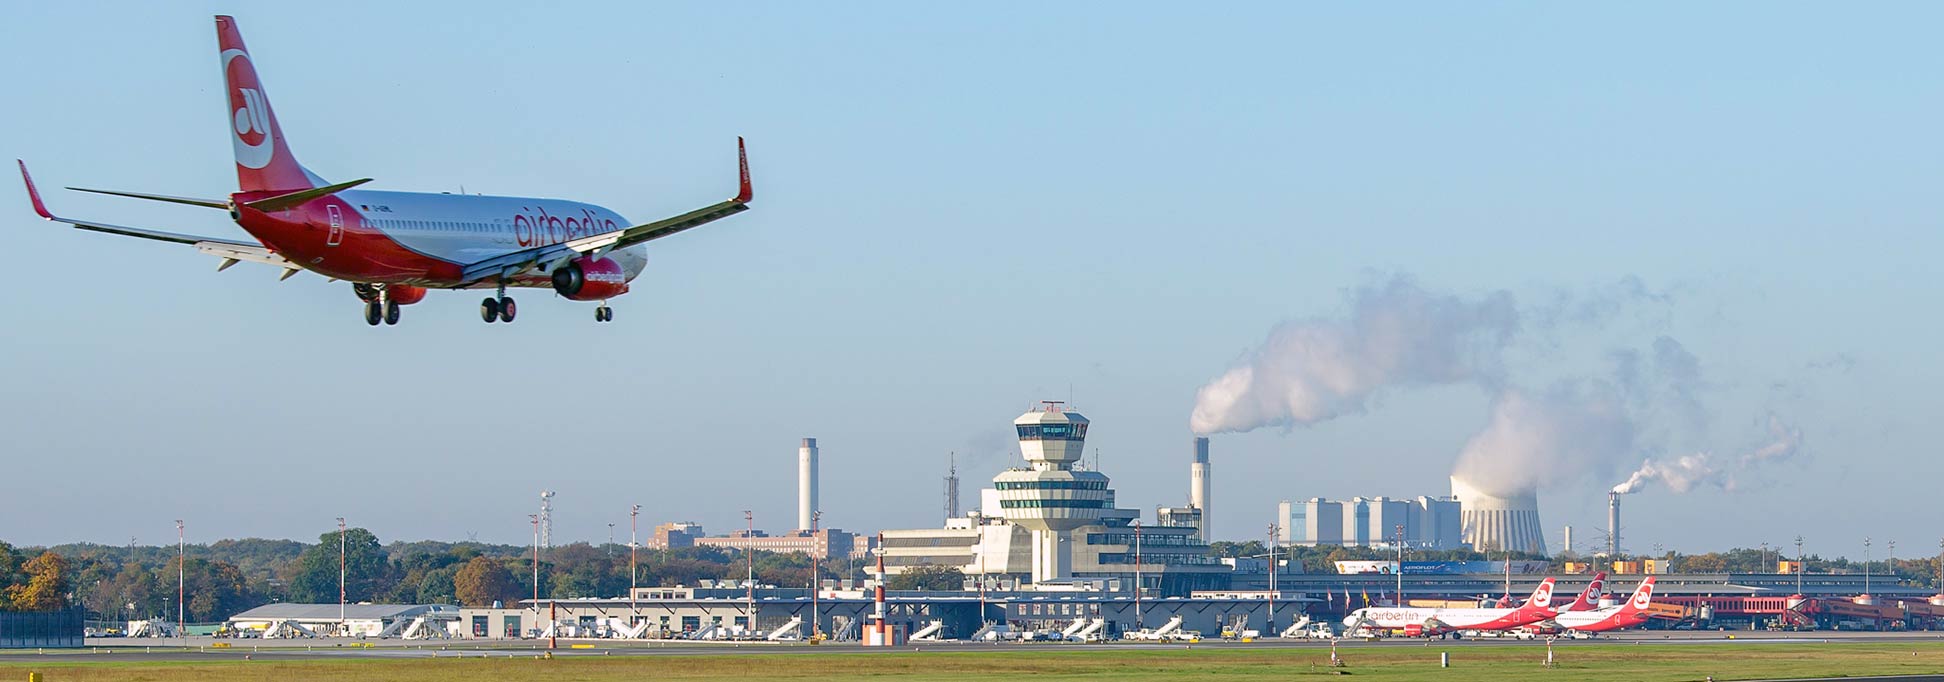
231,251
511,264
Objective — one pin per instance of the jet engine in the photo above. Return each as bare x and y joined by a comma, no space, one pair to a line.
405,294
590,279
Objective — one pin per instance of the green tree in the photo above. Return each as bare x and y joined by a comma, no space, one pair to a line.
366,569
932,577
437,586
482,581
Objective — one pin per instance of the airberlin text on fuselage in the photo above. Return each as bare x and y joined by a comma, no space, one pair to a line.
537,228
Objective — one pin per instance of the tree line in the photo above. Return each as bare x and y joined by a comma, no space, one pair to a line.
226,577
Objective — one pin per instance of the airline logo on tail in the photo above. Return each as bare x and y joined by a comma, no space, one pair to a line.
251,112
1645,595
1542,597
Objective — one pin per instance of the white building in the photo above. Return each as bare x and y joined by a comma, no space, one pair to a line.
348,620
1426,522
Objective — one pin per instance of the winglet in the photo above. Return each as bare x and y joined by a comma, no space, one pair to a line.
33,194
742,159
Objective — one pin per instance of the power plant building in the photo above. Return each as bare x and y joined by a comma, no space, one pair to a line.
1426,522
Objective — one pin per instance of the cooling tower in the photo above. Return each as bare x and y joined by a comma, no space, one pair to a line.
1495,523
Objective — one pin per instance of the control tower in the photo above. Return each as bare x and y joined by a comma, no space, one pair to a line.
1049,497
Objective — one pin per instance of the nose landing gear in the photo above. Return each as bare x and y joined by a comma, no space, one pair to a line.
604,314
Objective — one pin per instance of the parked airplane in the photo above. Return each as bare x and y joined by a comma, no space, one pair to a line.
1618,617
394,246
1590,599
1436,621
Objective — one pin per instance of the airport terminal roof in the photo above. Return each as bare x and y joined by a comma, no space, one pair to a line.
329,612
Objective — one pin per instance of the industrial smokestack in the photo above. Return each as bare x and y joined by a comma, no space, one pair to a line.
1569,539
1198,490
806,483
1613,523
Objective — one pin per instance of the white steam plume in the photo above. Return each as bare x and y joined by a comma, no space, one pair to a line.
1685,473
1560,434
1680,474
1396,334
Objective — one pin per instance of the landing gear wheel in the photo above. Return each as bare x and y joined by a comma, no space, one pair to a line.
603,314
374,313
507,309
365,292
489,310
391,312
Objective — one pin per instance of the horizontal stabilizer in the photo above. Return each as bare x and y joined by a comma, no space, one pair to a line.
192,201
295,199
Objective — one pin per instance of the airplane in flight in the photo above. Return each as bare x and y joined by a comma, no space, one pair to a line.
1430,622
395,246
1629,614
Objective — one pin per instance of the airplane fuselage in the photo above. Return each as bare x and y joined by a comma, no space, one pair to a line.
1396,618
422,239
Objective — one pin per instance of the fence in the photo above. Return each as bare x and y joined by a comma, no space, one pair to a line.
29,630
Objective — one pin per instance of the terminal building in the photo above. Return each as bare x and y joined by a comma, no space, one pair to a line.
1433,523
1052,522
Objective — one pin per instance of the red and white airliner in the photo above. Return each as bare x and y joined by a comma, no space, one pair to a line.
1418,621
394,246
1589,599
1618,617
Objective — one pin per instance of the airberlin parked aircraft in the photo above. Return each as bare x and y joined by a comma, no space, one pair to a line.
1618,617
393,246
1435,621
1590,599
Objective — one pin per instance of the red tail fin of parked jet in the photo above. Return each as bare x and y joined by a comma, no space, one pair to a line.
1589,599
393,246
1631,613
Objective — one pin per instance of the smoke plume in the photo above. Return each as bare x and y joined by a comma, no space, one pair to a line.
1687,472
1555,435
1395,335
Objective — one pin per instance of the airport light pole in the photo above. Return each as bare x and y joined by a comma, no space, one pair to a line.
536,567
1866,566
816,572
1799,567
1138,622
180,556
1890,563
634,612
341,600
749,569
1400,565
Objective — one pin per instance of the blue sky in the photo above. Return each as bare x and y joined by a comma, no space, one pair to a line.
960,211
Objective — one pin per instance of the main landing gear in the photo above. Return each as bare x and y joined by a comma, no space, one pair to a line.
500,309
378,308
603,314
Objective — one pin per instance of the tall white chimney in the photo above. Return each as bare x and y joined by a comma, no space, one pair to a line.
1198,491
806,483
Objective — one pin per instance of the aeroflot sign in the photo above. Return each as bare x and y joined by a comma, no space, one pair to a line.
537,228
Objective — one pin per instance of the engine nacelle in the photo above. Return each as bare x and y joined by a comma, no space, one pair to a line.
590,279
405,294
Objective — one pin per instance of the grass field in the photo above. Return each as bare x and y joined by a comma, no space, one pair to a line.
1585,663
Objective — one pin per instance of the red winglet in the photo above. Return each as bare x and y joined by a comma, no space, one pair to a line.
742,159
33,194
